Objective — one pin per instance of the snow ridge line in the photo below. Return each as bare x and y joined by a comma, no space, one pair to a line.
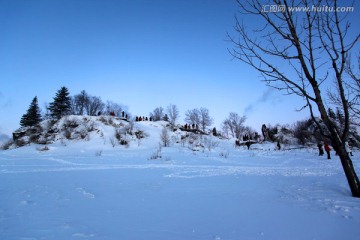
190,171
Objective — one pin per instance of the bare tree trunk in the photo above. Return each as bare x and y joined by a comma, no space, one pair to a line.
315,45
345,159
349,170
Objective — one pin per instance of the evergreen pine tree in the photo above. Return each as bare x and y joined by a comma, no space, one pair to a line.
166,118
61,105
214,131
33,116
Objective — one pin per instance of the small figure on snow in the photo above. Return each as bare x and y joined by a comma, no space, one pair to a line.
278,145
248,143
320,147
348,149
327,150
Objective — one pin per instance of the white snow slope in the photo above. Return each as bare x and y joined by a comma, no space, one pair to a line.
88,189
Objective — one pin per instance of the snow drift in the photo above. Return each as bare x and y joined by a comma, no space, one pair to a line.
86,184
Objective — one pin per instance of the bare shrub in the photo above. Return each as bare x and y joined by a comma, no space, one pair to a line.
62,142
129,128
42,149
71,123
87,138
224,154
110,121
120,135
90,126
20,142
124,142
98,153
165,137
83,133
209,143
67,133
157,153
112,141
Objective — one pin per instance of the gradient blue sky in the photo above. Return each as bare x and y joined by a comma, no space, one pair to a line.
142,54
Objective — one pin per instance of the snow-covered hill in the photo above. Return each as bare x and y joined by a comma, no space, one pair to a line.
88,184
4,138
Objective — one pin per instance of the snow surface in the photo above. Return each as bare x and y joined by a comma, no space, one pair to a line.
88,189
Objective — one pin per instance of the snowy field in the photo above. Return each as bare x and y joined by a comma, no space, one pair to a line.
91,190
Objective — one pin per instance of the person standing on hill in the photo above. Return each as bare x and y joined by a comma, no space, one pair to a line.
327,150
321,150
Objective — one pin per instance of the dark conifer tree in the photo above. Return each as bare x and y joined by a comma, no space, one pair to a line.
166,118
33,116
214,131
61,105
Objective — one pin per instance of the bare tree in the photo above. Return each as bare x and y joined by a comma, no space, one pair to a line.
314,43
199,117
94,105
192,116
80,101
165,137
112,107
83,103
354,89
157,114
352,93
205,119
173,114
235,124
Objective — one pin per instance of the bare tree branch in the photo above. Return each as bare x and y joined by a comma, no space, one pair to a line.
314,44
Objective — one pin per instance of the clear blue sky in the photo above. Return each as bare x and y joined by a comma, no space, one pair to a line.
143,54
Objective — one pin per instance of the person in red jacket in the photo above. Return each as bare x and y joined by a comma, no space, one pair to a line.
327,150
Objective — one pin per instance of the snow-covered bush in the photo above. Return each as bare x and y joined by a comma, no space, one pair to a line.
107,120
70,122
140,134
120,135
22,141
67,133
129,128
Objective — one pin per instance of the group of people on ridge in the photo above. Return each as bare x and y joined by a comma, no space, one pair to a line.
328,149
